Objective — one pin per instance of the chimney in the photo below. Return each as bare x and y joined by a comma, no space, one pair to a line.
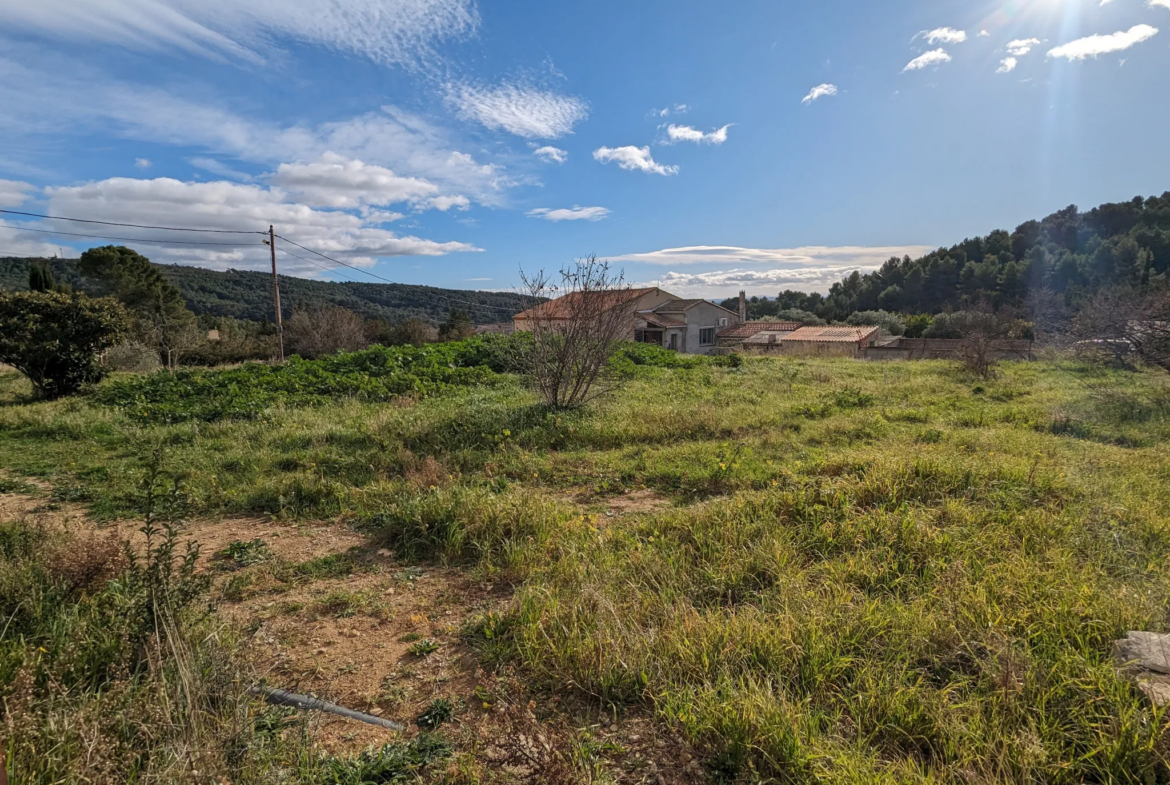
743,307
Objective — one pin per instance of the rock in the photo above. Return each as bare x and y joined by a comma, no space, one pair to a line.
1144,657
1147,651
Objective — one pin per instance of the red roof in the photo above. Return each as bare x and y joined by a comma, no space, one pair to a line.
560,308
833,334
744,331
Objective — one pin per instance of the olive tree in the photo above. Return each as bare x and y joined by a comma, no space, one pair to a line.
56,339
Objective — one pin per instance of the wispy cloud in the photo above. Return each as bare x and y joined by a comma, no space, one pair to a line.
401,32
943,35
574,213
685,133
633,159
48,104
551,155
1096,45
1007,65
142,163
1022,46
805,255
519,109
820,91
219,169
1162,3
935,57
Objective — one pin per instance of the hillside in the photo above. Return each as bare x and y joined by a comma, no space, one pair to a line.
1071,254
248,295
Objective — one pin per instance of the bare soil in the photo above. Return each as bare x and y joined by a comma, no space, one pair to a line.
349,640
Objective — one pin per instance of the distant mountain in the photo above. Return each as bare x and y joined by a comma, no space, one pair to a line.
248,295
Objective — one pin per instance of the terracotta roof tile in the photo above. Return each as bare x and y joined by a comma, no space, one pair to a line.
743,331
560,307
833,334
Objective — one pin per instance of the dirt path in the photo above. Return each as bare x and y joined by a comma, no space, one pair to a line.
323,611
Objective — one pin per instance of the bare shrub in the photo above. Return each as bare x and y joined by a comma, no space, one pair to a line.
132,357
412,332
1123,323
574,335
87,563
979,331
316,332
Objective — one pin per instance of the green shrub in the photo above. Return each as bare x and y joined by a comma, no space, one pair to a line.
56,339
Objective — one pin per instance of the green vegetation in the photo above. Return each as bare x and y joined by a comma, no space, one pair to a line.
852,572
55,339
1055,263
241,294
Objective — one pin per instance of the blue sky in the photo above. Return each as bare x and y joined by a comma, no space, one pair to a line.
706,146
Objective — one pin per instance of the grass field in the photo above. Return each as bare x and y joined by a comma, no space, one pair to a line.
834,571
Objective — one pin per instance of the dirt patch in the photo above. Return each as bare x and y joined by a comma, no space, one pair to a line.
638,502
294,542
385,642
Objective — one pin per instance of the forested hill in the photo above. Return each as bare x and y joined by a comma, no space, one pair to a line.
1069,253
248,295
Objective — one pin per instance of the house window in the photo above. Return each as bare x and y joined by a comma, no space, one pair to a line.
706,336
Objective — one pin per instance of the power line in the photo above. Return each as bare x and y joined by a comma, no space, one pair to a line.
134,226
121,239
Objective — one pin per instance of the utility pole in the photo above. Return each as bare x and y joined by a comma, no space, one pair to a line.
276,291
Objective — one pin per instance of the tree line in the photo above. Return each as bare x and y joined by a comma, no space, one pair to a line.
247,295
1062,261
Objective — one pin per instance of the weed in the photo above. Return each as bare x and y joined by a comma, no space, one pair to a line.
244,554
423,648
436,713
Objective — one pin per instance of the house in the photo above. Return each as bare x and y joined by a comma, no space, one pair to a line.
655,317
735,337
563,308
836,340
687,326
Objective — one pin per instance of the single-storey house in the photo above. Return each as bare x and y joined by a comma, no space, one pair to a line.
687,326
836,340
563,308
655,317
734,337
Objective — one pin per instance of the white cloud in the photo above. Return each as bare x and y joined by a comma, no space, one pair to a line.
551,155
41,104
13,193
339,182
445,203
142,163
813,255
820,91
399,32
519,109
984,34
813,268
223,205
944,35
935,57
219,169
1022,46
633,158
1007,65
569,214
1162,3
684,133
1096,45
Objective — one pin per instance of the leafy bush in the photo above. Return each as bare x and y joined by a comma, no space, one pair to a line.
376,374
917,324
890,323
55,339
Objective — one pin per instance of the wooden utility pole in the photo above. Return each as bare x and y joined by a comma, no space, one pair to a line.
276,291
